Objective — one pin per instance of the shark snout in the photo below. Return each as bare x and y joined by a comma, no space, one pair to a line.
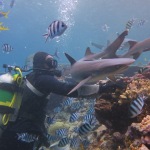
127,61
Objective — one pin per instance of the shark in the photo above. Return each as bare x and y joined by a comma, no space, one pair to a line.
91,71
109,51
135,48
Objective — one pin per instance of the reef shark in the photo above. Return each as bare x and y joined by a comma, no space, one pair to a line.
89,72
135,49
109,51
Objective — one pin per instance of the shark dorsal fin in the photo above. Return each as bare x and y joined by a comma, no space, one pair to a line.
71,60
88,52
132,43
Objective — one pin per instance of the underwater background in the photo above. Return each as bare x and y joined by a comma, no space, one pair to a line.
28,20
88,21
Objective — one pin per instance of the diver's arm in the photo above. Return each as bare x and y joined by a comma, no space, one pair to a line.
51,84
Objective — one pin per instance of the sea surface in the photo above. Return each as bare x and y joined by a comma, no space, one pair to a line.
28,21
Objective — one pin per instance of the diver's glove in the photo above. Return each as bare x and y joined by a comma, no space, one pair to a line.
110,87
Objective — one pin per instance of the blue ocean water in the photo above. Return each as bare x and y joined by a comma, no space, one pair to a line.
28,21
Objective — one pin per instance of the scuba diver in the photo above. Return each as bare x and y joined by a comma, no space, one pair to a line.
28,132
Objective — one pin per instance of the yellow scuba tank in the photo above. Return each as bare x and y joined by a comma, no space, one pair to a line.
10,95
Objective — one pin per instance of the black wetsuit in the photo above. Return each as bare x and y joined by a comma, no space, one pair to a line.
32,112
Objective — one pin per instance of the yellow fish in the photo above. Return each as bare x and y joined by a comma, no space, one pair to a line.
3,28
4,14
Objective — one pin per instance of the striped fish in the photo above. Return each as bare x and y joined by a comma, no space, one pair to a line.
91,110
26,137
67,102
74,117
88,117
74,142
76,129
129,24
85,128
57,109
141,22
85,143
56,28
52,138
143,70
61,132
63,142
50,120
6,48
75,106
136,106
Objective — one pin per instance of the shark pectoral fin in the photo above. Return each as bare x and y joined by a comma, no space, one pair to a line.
80,84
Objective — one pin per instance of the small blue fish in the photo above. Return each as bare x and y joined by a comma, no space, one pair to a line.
74,142
26,137
57,109
63,142
75,106
52,138
61,132
67,102
76,129
50,120
91,110
74,117
136,106
85,143
88,117
85,128
141,22
56,28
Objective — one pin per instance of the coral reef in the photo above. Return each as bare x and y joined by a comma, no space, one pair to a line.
111,109
116,130
140,132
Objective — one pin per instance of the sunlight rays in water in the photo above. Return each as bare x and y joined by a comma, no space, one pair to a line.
66,10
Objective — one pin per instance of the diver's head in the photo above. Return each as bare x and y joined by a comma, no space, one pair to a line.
43,60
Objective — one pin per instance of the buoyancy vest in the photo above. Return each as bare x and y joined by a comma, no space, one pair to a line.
10,95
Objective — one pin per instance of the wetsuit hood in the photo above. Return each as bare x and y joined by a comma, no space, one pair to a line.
39,59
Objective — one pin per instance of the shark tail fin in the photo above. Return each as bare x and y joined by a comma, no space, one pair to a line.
56,54
71,60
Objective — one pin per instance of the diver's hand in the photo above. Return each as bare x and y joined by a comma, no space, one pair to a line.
110,87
